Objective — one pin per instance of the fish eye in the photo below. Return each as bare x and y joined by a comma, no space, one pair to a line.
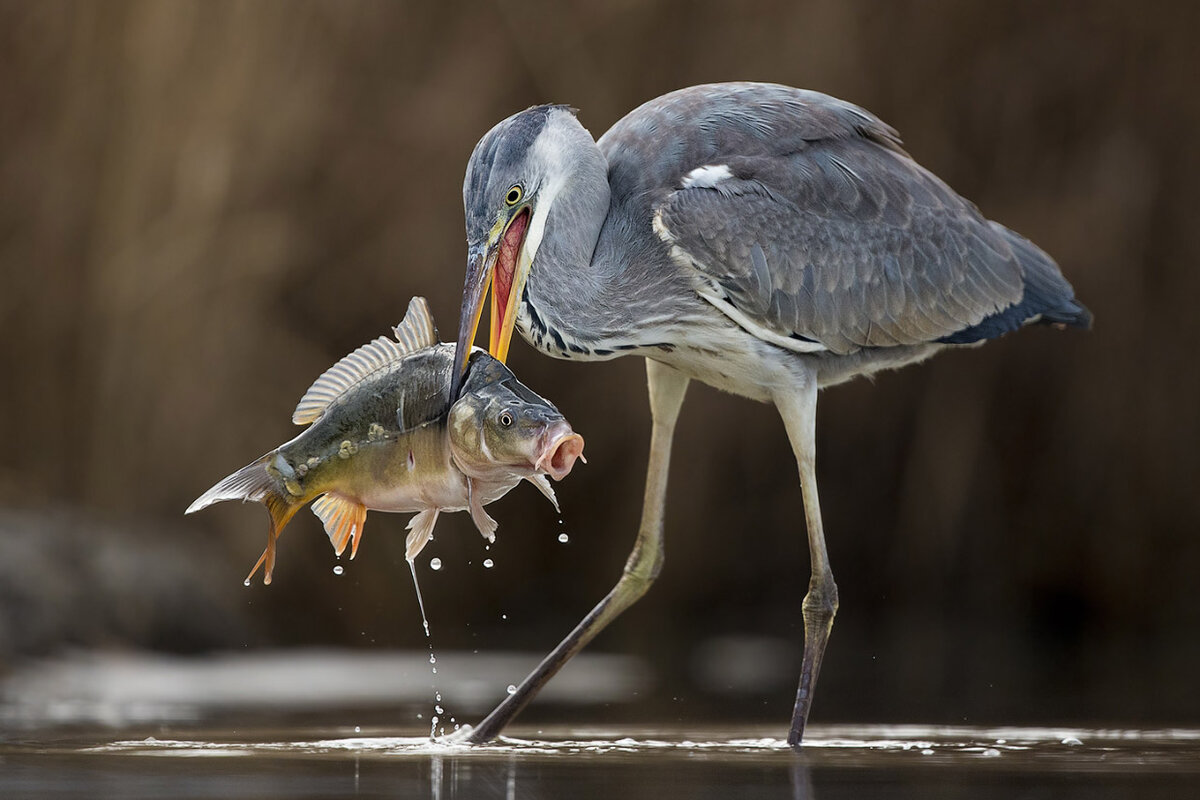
506,419
514,195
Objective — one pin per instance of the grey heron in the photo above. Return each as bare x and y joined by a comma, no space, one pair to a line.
766,240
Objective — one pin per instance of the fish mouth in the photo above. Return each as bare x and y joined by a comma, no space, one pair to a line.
561,447
498,265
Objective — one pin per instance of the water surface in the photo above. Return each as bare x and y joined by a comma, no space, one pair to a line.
837,762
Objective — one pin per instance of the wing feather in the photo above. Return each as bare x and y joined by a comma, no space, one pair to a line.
845,243
814,229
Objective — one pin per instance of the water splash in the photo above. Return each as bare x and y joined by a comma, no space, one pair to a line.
412,567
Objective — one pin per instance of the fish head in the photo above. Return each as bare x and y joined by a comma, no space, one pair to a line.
499,427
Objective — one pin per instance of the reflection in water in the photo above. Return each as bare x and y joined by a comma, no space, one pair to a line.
435,777
802,788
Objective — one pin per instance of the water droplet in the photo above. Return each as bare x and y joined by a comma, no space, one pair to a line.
432,659
338,570
357,729
412,567
504,616
511,689
434,670
488,563
439,709
437,696
435,563
419,716
246,582
562,537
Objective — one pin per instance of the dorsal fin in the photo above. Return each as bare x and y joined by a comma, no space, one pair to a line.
414,333
417,330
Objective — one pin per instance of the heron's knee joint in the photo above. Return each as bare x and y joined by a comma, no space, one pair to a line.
822,598
638,577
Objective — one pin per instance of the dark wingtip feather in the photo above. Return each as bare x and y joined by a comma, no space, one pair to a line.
1073,313
1048,298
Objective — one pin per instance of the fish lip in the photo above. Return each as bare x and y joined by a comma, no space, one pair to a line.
560,447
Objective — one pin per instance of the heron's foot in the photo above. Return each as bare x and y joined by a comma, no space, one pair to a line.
460,736
820,606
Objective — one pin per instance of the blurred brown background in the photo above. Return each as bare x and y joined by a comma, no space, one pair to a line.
204,204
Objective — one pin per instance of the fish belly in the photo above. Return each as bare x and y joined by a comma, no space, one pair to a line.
410,474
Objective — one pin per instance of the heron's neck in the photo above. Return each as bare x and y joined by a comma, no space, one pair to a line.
567,290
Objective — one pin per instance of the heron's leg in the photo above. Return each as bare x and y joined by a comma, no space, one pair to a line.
799,412
667,388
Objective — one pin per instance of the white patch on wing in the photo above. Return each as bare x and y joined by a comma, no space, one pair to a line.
706,177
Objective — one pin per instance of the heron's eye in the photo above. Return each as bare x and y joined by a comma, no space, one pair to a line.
505,419
514,195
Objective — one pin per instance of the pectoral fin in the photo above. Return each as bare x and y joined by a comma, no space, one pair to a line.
420,532
343,519
486,525
543,484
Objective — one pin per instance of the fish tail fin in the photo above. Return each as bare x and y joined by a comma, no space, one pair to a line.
254,483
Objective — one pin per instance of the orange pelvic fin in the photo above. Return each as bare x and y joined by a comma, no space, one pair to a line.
343,519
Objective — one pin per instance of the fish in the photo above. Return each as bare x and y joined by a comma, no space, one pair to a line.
383,433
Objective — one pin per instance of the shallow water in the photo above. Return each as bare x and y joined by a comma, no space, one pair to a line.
283,724
837,762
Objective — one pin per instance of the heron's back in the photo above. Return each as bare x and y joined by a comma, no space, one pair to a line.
801,216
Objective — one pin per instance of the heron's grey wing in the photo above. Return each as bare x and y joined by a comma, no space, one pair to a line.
842,244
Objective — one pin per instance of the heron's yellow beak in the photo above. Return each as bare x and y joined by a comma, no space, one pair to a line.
500,265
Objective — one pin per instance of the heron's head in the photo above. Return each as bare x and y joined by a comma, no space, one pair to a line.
513,178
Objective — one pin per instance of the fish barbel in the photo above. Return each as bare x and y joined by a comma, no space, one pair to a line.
383,434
